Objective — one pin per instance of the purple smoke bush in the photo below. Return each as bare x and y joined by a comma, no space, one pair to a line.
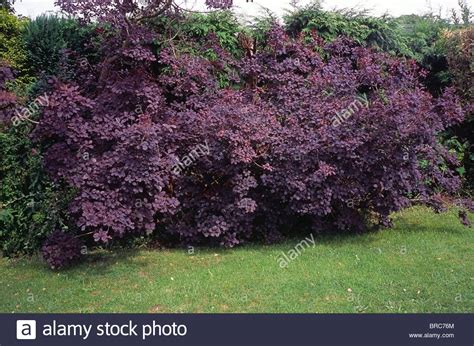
332,134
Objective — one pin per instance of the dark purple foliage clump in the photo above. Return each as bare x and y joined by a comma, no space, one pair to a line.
8,100
61,250
220,4
6,74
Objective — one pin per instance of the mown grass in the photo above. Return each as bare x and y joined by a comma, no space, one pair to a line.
423,264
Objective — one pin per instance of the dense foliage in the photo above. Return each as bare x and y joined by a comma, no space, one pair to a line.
382,33
421,34
186,129
222,24
459,47
49,38
33,206
12,48
7,5
30,205
429,39
333,142
8,100
61,250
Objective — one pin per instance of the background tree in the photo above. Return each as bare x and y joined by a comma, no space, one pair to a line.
7,4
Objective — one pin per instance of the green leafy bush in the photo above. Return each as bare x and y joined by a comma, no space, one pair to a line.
221,23
12,49
47,37
365,30
459,48
31,206
197,33
421,34
195,28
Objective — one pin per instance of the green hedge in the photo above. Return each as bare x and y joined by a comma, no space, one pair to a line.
47,37
31,206
12,47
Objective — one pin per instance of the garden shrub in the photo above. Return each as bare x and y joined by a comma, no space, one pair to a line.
421,34
458,45
31,207
222,24
333,135
195,143
48,37
336,162
411,36
12,48
425,39
61,250
382,33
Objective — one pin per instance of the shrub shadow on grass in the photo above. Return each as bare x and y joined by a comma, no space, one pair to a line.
417,219
100,261
412,227
421,219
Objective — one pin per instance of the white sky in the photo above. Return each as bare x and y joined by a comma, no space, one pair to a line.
33,8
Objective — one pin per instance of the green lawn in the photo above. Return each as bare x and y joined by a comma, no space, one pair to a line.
423,264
